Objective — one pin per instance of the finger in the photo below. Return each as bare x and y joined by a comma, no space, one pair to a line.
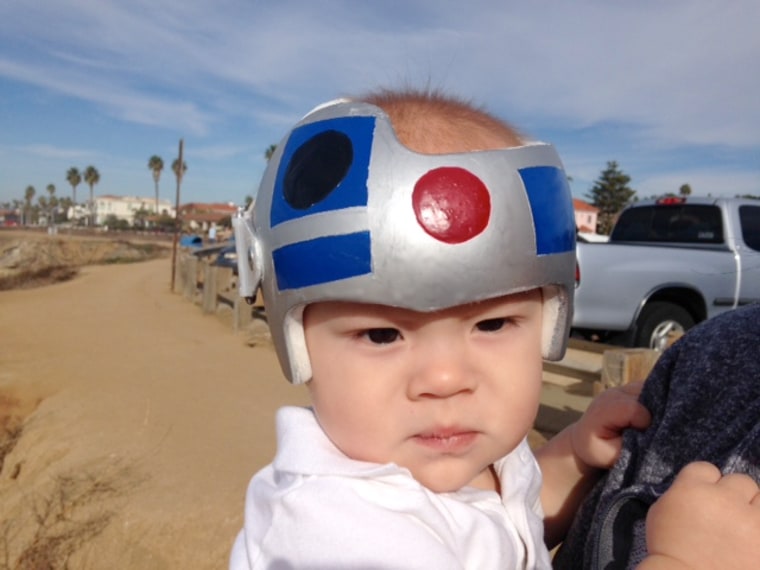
632,388
641,417
698,472
742,485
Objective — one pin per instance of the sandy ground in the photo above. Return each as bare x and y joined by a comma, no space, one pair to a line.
144,421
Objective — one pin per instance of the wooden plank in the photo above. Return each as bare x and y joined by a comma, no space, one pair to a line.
623,365
589,345
571,371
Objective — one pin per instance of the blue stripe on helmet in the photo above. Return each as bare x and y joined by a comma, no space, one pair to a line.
322,260
552,207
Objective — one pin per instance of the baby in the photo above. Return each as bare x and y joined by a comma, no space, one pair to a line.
416,257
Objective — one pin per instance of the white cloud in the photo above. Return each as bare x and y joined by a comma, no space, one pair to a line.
50,151
235,74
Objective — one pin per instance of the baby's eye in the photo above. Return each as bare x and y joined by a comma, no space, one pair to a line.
382,336
491,325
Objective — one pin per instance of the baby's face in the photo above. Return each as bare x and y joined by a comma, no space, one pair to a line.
444,394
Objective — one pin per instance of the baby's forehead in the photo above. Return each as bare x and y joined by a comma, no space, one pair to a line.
349,309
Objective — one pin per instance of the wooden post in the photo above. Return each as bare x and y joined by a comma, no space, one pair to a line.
208,299
177,218
191,277
242,315
179,284
621,366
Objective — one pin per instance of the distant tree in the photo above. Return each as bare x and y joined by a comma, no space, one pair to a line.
112,222
684,190
44,208
140,217
166,223
610,194
63,205
52,203
270,151
248,201
74,178
91,177
176,169
28,197
156,165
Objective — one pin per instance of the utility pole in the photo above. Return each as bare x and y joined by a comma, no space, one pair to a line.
177,217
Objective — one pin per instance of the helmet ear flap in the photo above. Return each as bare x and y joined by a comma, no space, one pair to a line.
295,339
557,316
249,258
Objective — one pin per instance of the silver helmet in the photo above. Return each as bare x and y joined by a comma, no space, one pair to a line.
345,212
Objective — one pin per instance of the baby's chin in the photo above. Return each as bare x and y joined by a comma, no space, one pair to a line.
449,481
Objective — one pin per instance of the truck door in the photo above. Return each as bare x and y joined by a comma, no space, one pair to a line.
748,246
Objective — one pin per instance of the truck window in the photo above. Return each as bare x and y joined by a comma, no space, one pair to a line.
749,217
683,223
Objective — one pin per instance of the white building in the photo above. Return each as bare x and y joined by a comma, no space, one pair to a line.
586,216
124,207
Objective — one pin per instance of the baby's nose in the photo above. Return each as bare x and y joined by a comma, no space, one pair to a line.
441,371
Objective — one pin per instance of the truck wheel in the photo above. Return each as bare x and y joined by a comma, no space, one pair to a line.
657,320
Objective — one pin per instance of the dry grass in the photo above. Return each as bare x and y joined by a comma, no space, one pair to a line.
38,277
50,526
29,260
77,508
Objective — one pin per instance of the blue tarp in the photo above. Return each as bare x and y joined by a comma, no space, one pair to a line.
191,241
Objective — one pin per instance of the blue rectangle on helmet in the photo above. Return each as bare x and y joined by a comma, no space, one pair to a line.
552,215
322,260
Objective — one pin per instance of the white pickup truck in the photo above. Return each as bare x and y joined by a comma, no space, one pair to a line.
669,264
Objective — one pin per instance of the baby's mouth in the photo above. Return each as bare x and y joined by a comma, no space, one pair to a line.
449,440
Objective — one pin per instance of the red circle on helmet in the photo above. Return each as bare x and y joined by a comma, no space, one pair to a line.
451,204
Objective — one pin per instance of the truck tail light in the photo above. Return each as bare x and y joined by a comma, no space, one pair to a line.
577,273
671,201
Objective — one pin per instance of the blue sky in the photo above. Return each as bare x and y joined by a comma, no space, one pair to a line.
670,89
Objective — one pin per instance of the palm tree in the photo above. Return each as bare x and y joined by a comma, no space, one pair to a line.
51,203
74,178
156,165
91,177
270,151
175,169
43,203
28,196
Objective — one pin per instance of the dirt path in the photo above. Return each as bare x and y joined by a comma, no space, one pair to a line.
151,419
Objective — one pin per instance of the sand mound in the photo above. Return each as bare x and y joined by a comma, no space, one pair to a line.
30,259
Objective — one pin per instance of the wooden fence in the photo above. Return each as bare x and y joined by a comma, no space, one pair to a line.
213,287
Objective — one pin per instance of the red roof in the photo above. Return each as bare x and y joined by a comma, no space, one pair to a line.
582,206
215,208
